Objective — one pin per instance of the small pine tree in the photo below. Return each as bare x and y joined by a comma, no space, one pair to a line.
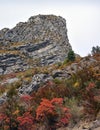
71,55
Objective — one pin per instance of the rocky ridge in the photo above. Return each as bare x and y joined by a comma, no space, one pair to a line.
40,41
59,74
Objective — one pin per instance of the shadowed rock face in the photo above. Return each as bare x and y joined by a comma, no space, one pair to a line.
42,39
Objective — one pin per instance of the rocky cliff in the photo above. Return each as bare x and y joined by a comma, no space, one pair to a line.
42,40
34,47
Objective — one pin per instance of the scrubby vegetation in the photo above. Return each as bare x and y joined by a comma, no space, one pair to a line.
20,113
56,103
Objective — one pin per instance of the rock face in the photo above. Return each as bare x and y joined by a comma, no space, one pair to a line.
11,63
37,80
42,40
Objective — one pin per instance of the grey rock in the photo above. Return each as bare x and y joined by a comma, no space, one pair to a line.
57,73
60,74
11,80
95,124
11,63
1,71
1,100
87,61
43,38
2,32
37,80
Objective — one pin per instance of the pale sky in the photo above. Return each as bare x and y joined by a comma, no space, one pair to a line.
82,18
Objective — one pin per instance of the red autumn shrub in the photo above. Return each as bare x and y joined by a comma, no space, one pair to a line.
53,113
5,122
57,101
46,108
65,117
25,121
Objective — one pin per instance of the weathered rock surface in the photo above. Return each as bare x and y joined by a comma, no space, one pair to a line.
42,40
37,80
11,63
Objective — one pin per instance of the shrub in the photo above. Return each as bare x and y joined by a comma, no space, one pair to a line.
25,121
9,110
51,90
53,113
17,84
75,110
91,102
2,89
71,55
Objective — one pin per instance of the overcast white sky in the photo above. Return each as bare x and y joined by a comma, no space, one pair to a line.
82,18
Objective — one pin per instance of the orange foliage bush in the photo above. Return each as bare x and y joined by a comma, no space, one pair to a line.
53,113
25,121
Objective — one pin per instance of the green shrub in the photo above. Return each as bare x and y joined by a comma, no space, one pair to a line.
71,55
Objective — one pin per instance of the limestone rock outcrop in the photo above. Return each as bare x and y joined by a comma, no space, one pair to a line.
42,40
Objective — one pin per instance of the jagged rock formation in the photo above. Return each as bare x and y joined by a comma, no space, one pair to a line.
42,40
